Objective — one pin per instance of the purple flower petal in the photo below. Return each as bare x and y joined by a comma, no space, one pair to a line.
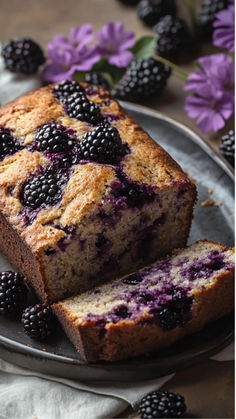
223,35
81,35
114,43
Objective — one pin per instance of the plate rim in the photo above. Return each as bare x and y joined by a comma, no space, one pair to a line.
17,347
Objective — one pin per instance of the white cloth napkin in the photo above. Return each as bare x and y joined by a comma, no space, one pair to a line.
26,394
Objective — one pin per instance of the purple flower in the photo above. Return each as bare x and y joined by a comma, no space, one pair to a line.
70,55
213,88
114,43
223,35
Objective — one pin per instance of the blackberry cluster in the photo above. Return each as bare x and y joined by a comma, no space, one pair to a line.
227,147
162,404
38,322
151,11
207,13
79,107
66,88
176,312
52,137
43,190
13,293
172,37
102,145
96,78
8,145
143,78
22,56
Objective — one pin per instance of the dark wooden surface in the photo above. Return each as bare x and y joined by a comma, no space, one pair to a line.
209,386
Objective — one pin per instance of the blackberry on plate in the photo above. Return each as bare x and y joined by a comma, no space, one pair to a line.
53,137
172,36
162,404
13,293
8,145
66,88
143,78
94,77
43,190
150,11
207,14
22,56
38,321
227,147
102,145
79,107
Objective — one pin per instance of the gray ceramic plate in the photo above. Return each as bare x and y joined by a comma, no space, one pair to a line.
59,357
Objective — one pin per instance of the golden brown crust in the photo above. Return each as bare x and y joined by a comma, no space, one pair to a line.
131,338
89,183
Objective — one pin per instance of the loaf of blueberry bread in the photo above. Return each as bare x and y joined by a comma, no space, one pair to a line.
85,194
154,307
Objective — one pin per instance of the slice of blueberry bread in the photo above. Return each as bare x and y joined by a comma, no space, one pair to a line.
85,193
153,307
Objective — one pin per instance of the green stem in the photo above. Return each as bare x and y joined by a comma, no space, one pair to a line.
181,73
192,9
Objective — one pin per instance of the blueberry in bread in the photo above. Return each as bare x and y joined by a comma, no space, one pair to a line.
85,194
153,307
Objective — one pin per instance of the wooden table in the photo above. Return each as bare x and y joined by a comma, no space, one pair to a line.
209,386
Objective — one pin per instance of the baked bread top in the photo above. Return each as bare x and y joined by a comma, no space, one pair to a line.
86,184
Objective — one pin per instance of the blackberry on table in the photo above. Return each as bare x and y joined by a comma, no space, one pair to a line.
143,78
227,147
66,88
79,107
53,137
102,145
8,145
172,36
129,2
13,293
207,14
22,56
94,77
162,404
150,11
38,321
43,190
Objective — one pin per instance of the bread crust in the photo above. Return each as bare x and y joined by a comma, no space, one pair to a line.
131,338
88,185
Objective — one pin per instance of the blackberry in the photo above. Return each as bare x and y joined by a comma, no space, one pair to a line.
172,36
38,321
133,279
13,293
79,107
162,404
96,78
177,311
22,56
207,13
102,145
53,137
43,190
129,2
150,11
227,147
143,78
8,145
66,88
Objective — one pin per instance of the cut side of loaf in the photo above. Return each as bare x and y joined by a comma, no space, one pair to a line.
153,307
103,219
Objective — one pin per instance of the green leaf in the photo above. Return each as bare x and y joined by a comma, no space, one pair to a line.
79,76
144,47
